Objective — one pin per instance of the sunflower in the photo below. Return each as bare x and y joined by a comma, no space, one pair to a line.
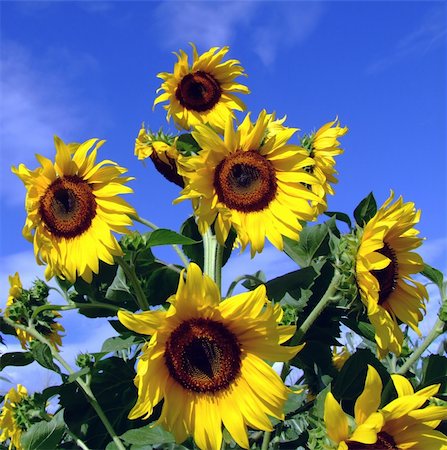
401,424
203,92
384,265
323,147
73,207
339,358
162,154
52,328
205,359
10,428
252,179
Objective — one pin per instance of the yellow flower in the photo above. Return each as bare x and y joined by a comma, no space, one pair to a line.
384,265
9,428
15,292
203,92
324,146
401,424
252,179
339,359
163,155
73,207
205,360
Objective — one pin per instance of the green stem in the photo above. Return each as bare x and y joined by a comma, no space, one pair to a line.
84,386
321,305
213,253
266,440
239,279
129,271
436,331
176,248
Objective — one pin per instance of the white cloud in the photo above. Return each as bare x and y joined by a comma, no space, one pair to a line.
37,103
266,26
205,23
285,26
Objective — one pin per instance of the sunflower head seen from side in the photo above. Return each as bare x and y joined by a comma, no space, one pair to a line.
205,360
323,146
385,265
22,303
10,427
203,91
251,179
73,208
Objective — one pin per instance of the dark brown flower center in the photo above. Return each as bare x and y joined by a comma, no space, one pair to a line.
245,181
198,91
168,169
203,355
68,206
388,276
384,442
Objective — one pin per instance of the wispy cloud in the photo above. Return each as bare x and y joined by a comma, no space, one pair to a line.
284,26
37,103
429,35
265,26
206,24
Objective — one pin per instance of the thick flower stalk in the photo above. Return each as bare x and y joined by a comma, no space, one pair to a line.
202,92
251,179
73,208
205,360
385,264
402,424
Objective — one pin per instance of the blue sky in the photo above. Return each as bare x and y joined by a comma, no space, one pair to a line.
88,69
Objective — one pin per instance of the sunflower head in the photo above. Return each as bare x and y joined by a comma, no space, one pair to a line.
10,426
160,148
205,360
323,146
401,424
251,179
203,91
22,303
73,208
385,264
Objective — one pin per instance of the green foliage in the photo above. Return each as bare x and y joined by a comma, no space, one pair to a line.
112,385
15,359
365,210
187,145
42,354
45,435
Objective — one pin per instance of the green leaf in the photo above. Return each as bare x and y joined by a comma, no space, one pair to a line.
193,252
112,385
119,290
434,371
161,284
5,328
44,435
364,329
314,242
168,237
148,435
187,145
433,275
291,283
42,354
342,217
350,382
117,343
365,210
15,359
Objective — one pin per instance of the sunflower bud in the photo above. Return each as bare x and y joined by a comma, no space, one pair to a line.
160,148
